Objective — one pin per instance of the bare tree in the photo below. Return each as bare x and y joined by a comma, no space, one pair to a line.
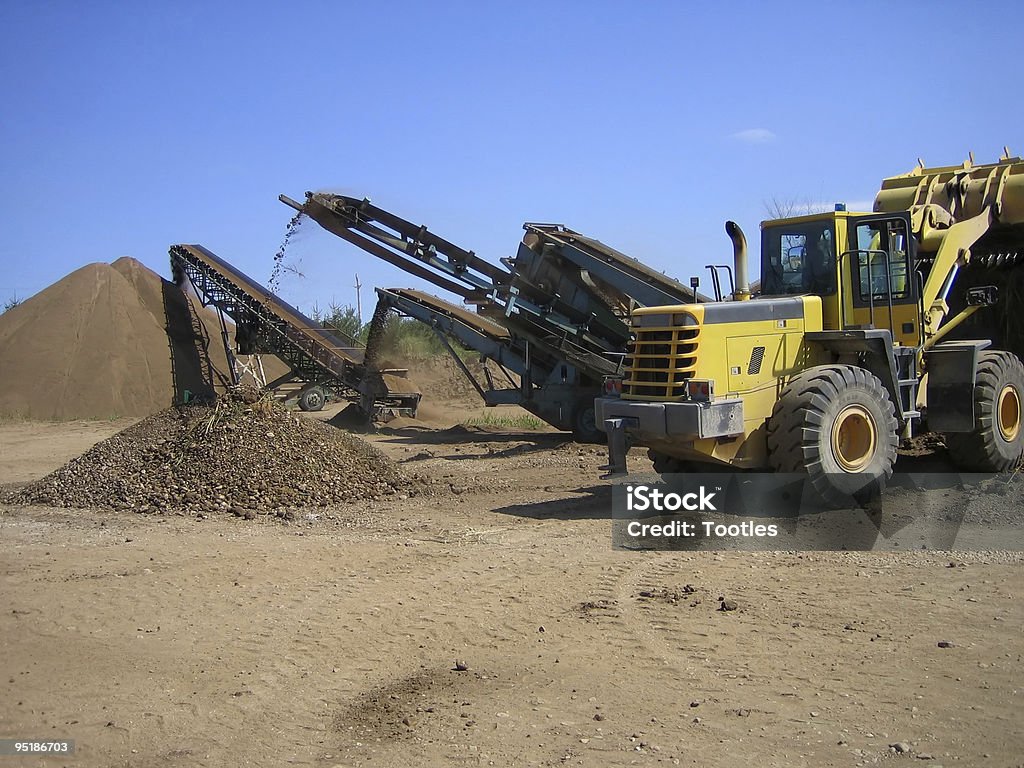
787,207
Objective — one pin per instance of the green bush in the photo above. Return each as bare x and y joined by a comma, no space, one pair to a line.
403,338
410,339
341,319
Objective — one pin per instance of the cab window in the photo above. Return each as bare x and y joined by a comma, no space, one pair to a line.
798,258
875,244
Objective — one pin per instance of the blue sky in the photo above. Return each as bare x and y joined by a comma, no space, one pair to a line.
129,127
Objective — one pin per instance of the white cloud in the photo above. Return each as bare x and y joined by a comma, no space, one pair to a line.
754,136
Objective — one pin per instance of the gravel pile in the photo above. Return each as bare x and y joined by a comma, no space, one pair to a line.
242,454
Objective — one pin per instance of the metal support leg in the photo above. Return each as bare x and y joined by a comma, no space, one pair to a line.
229,353
458,361
616,429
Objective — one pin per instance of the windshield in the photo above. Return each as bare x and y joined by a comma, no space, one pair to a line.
798,258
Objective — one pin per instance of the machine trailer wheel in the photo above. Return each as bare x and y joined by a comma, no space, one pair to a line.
997,442
312,399
585,425
837,424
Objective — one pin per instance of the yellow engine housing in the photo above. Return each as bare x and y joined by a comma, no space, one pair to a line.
746,350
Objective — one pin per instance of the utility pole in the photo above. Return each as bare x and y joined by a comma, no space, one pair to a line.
359,301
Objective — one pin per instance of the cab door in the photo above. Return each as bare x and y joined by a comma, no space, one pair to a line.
882,281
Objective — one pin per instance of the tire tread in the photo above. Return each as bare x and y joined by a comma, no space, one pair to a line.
794,429
980,450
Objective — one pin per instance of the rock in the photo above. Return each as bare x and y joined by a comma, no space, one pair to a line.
728,605
461,666
946,644
184,459
900,747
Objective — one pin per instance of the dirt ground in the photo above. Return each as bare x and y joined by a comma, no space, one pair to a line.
492,624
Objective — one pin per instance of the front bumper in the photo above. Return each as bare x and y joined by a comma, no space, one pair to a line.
654,421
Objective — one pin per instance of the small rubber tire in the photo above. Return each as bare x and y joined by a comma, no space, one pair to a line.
997,442
312,399
585,425
837,424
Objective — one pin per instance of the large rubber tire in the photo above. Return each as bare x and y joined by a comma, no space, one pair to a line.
837,424
312,399
997,442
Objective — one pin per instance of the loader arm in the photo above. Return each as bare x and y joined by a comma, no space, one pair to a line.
968,220
953,254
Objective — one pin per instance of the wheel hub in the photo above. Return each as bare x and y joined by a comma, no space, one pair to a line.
854,438
1008,411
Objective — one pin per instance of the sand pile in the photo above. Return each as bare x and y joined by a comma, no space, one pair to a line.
107,340
242,454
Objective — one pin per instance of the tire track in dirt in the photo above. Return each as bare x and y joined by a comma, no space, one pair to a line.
311,643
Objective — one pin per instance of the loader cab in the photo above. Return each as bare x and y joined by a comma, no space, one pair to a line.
882,286
861,265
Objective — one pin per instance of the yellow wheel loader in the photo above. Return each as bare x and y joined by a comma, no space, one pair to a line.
850,345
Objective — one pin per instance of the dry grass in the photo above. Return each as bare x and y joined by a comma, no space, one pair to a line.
521,421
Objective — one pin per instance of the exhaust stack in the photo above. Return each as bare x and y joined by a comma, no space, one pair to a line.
741,292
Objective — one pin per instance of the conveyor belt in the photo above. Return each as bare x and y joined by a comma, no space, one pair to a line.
269,322
555,314
411,247
474,320
633,278
531,353
420,252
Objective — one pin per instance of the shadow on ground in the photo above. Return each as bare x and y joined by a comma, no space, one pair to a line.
593,503
462,435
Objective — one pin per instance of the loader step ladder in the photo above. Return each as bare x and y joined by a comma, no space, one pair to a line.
907,381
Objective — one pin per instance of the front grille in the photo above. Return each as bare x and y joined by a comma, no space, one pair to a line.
660,360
